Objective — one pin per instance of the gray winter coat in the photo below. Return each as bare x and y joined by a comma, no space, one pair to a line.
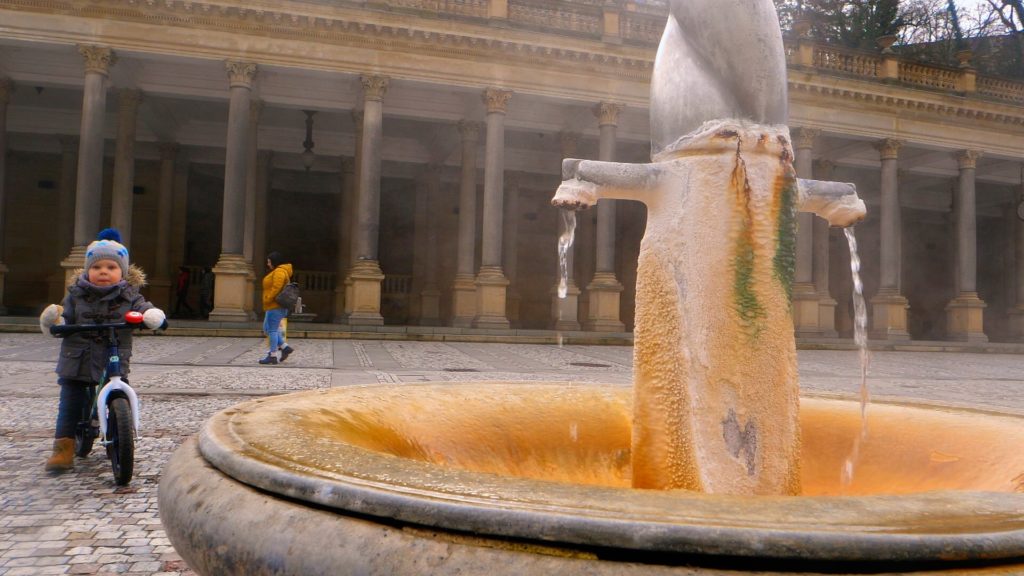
83,356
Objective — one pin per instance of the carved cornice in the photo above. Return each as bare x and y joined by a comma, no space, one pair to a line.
470,130
804,138
240,74
607,113
6,87
374,87
98,59
888,148
967,159
496,100
128,100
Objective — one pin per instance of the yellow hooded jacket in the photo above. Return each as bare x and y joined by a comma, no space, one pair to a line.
273,282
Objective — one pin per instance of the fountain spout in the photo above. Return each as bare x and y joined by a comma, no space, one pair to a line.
836,202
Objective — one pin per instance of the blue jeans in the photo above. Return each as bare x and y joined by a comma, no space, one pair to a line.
272,327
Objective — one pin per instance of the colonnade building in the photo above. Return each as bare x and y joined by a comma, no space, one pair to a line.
403,153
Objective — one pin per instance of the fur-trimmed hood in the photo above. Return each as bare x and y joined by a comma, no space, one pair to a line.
135,277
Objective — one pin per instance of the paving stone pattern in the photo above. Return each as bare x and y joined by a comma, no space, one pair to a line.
81,523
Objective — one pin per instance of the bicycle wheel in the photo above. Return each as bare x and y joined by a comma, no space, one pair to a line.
121,441
85,432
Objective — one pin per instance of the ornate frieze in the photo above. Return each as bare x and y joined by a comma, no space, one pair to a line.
888,148
374,87
967,159
607,113
98,59
496,100
240,73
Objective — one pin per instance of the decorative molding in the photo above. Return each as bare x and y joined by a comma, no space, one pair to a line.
804,138
98,59
374,87
967,159
496,100
888,148
470,130
240,74
607,113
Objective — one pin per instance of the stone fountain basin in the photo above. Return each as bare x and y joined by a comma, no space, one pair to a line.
511,478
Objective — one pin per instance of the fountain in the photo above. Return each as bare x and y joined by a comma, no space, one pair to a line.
710,464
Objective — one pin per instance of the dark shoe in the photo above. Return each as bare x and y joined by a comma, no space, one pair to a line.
286,352
269,360
63,457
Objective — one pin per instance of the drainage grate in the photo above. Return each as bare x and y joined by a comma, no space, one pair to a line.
460,369
590,365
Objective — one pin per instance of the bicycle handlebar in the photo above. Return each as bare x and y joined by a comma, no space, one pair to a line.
62,330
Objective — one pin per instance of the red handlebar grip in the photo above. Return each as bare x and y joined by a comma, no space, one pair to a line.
133,317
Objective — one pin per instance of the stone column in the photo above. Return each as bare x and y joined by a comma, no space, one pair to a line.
510,246
346,206
264,171
122,197
1017,310
430,296
805,294
249,226
604,290
232,271
889,307
565,311
353,218
464,286
365,274
5,97
491,284
89,180
65,214
964,314
822,240
160,286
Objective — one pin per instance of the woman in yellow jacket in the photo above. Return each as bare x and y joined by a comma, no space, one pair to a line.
275,280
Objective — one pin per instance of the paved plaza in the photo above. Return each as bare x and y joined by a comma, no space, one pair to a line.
80,523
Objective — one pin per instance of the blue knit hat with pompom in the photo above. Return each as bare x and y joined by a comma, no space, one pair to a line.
107,247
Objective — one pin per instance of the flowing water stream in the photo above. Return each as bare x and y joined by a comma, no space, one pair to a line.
860,336
565,240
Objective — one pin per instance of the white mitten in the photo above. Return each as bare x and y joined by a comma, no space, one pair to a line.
51,315
153,318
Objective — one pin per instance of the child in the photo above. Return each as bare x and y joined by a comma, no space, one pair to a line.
106,289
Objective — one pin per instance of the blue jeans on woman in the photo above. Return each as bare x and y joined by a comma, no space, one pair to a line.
272,327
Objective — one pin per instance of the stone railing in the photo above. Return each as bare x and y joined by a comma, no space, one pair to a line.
807,54
471,8
573,17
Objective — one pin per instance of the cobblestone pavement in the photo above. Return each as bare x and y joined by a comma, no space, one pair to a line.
81,523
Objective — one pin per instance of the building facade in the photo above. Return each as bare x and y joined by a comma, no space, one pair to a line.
403,153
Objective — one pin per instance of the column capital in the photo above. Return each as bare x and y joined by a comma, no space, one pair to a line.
967,159
6,88
128,100
98,59
804,138
889,148
374,87
569,142
496,100
240,73
255,110
68,143
469,130
607,113
168,150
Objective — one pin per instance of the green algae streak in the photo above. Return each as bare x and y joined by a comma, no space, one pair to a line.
785,239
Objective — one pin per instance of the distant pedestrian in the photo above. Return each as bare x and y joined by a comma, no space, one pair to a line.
280,274
181,289
206,292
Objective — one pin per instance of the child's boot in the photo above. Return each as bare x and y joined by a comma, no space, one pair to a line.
63,457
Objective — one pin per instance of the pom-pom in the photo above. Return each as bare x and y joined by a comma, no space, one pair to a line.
109,234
